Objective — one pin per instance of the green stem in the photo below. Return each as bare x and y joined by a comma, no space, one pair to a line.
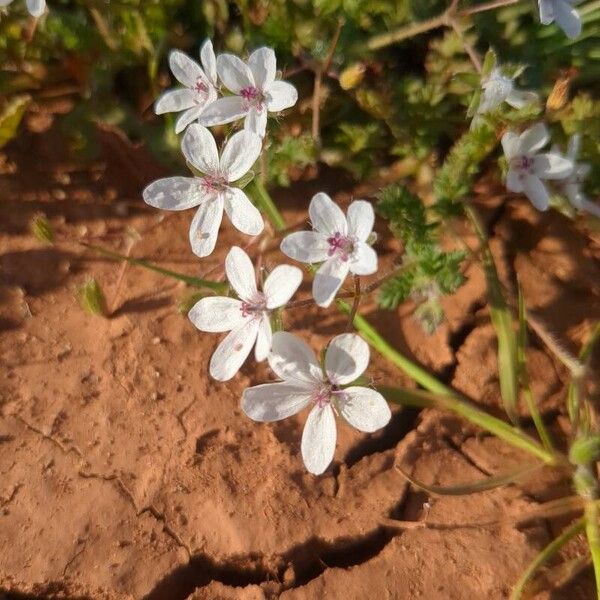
474,415
413,370
593,537
545,555
264,201
217,286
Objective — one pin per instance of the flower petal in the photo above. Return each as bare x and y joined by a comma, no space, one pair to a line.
4,3
240,153
186,70
574,146
552,166
244,216
346,358
209,61
200,149
264,339
215,314
234,73
223,110
233,351
36,7
175,101
263,64
496,91
281,285
364,408
546,11
510,144
519,99
292,360
174,193
256,122
275,401
364,260
281,95
306,246
326,216
318,439
188,116
536,191
514,181
533,139
204,228
240,274
360,219
567,18
328,280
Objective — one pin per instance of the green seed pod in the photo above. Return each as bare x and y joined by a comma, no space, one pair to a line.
585,483
92,298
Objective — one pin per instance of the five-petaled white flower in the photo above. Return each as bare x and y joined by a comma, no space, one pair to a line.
338,242
563,13
255,90
499,88
200,86
527,168
35,8
305,383
212,191
247,319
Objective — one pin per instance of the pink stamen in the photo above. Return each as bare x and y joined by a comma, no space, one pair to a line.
322,397
340,245
252,96
524,164
213,183
254,309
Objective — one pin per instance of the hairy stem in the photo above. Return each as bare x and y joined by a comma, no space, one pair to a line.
593,538
264,201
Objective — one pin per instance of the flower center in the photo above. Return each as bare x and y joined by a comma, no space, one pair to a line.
523,164
342,246
252,97
327,395
201,90
213,183
256,308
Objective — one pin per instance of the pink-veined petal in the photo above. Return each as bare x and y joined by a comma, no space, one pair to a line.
281,95
264,339
364,260
326,216
292,360
233,351
318,439
275,401
306,246
263,64
244,216
204,228
361,218
234,73
215,314
187,117
223,110
200,149
281,285
346,358
174,193
175,101
209,61
186,70
256,122
240,153
240,274
364,408
328,280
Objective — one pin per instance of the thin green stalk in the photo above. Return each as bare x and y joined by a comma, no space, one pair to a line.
217,286
593,537
264,201
545,555
413,370
471,413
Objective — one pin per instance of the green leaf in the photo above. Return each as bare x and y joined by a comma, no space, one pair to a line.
489,63
92,298
11,116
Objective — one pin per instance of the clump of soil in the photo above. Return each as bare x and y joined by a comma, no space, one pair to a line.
128,473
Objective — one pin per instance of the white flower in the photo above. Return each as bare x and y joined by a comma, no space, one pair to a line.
527,168
338,242
255,91
213,191
36,8
571,185
498,88
563,13
247,319
305,384
200,86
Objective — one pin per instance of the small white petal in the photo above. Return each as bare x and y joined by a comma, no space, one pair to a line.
510,144
318,439
360,219
514,181
186,70
364,408
240,153
256,122
263,64
281,95
234,73
552,166
495,93
275,401
223,110
292,360
533,139
346,358
244,216
36,7
326,216
364,260
174,193
175,101
306,246
328,280
546,11
4,3
519,99
281,285
204,228
215,314
536,191
200,149
574,146
187,117
233,351
209,61
240,274
264,339
567,18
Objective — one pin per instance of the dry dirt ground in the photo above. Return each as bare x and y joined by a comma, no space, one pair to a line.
125,472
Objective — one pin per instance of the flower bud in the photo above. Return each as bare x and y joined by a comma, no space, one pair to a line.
352,76
585,483
585,450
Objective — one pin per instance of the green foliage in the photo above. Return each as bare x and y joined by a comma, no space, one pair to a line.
288,156
10,118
